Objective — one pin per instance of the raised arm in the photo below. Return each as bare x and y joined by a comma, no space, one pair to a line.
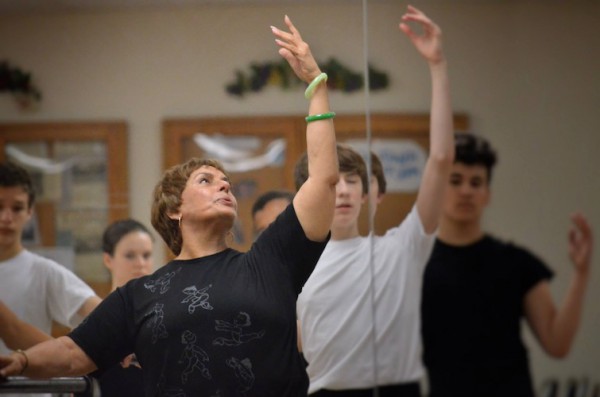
555,328
17,334
441,134
55,357
315,201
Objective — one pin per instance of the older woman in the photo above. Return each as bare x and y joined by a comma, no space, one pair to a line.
214,321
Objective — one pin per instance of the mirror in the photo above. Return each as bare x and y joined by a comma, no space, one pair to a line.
153,65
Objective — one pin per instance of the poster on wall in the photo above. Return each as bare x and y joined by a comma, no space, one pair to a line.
403,161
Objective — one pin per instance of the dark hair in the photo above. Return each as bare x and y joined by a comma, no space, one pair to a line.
13,175
377,170
167,199
475,150
349,160
267,197
117,230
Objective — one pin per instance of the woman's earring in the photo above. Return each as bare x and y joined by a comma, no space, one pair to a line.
180,216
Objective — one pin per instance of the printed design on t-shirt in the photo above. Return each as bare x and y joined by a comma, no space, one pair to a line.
159,331
164,282
236,331
197,297
193,356
168,391
243,373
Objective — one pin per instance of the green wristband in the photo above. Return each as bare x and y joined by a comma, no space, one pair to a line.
310,90
322,116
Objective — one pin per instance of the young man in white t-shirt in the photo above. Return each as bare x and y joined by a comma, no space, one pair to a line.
360,310
37,290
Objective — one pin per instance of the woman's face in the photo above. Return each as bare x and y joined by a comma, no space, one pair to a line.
132,257
207,196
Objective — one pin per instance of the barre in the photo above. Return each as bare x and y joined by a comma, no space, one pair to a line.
85,386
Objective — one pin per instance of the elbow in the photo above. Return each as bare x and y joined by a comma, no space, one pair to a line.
558,352
330,179
442,160
334,178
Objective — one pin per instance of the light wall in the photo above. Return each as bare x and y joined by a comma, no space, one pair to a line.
526,72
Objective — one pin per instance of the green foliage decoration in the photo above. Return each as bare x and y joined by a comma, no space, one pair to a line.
280,74
19,83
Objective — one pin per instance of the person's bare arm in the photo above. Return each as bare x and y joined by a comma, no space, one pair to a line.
18,334
441,135
53,358
88,306
555,328
315,201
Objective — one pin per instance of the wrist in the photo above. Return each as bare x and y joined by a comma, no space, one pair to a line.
321,78
23,360
439,63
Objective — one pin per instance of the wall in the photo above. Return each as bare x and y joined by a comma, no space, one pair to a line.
526,72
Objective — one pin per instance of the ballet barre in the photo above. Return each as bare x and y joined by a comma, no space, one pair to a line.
83,386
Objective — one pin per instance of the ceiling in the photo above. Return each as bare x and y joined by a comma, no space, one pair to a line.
35,6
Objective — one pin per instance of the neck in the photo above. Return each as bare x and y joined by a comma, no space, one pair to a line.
459,233
9,252
344,233
200,247
117,283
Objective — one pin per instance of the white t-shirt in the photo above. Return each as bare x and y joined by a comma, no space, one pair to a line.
39,290
336,313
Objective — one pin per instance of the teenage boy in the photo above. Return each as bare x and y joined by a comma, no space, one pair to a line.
37,290
477,289
359,332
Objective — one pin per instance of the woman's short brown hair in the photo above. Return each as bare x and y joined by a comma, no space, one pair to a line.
167,199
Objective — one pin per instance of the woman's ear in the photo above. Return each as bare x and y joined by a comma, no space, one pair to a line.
107,259
174,215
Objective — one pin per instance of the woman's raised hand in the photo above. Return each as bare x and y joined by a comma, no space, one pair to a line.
296,51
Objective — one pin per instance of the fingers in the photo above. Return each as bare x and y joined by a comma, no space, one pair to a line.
10,367
415,15
580,240
582,225
291,27
295,51
287,40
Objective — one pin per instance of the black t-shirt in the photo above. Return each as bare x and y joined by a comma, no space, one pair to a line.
118,381
220,325
472,308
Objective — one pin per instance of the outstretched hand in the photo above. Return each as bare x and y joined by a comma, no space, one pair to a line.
296,52
581,242
10,366
429,43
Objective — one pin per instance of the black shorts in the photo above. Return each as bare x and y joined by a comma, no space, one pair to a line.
402,390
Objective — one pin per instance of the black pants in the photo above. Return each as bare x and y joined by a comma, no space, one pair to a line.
403,390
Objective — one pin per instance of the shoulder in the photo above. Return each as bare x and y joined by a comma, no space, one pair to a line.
411,224
43,263
516,250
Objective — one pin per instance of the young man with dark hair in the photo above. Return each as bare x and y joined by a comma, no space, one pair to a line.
36,289
477,289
